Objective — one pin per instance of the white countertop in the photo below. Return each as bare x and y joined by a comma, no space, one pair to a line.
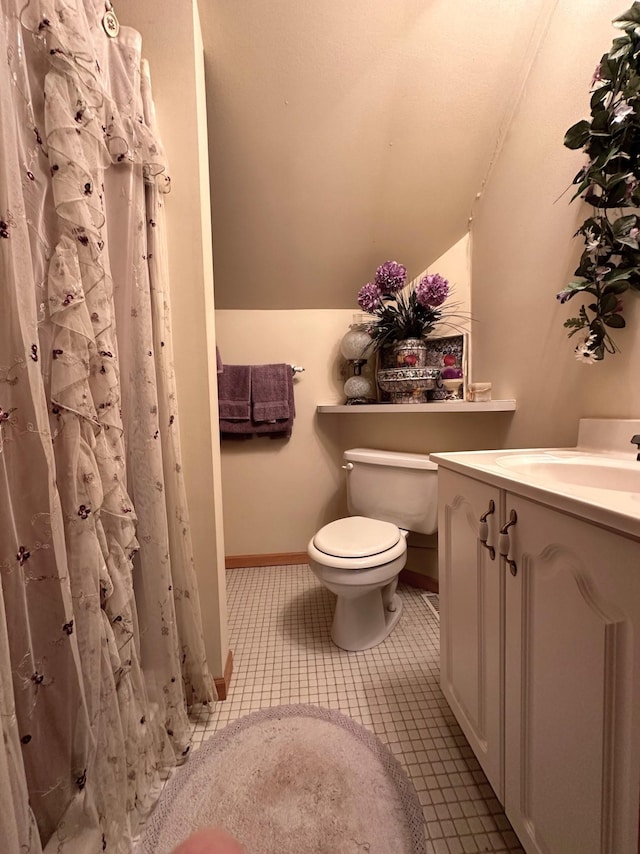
615,508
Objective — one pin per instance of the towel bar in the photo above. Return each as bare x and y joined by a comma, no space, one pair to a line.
296,369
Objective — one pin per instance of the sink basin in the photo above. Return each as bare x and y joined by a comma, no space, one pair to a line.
583,470
598,480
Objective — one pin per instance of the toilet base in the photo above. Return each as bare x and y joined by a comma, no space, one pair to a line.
366,621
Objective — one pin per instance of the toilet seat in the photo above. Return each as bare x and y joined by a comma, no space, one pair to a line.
357,542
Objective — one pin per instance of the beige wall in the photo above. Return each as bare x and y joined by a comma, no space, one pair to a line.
455,265
172,44
342,133
278,493
523,251
283,242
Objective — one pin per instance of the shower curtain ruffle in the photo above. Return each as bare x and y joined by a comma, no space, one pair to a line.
68,36
101,540
197,682
18,828
105,705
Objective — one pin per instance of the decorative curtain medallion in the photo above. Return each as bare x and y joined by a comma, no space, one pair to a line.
110,22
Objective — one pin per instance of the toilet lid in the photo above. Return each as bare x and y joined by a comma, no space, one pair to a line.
356,536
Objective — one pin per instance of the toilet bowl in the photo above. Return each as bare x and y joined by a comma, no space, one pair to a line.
359,557
359,560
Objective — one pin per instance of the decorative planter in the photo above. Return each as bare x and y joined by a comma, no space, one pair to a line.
410,353
407,385
403,372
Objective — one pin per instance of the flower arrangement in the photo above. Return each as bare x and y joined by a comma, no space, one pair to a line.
402,311
609,181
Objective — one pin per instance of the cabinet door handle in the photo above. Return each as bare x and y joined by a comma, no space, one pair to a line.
483,529
504,544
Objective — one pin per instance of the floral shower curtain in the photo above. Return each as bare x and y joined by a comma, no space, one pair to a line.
101,647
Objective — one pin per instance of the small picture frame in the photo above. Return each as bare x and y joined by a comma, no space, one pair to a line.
450,354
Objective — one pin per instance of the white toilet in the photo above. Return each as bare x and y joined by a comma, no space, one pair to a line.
359,557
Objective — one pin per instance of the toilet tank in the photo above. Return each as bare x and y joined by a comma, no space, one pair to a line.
392,486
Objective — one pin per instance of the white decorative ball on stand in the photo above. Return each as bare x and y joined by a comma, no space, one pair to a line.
356,348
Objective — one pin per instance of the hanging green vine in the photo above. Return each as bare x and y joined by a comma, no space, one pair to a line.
610,183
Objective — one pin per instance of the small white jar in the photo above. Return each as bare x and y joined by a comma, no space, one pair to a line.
479,392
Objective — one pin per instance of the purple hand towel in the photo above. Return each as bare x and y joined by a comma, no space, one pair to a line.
272,429
270,393
280,429
234,393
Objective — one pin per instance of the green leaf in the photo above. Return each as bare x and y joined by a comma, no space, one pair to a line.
628,19
580,190
595,198
607,304
621,47
615,321
577,135
598,97
608,65
619,275
581,285
574,322
600,123
629,241
615,195
617,288
623,225
631,89
613,182
606,157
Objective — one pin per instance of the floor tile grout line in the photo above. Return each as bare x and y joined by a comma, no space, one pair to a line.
279,621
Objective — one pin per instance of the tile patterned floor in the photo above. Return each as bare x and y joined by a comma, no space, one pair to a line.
279,633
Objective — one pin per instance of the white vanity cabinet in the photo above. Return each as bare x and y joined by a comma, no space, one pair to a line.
471,593
540,662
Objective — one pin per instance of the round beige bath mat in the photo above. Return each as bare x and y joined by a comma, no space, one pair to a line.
294,779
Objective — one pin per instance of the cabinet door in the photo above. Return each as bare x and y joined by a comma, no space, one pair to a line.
572,685
471,585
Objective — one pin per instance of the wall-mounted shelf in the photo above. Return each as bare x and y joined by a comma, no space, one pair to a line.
432,408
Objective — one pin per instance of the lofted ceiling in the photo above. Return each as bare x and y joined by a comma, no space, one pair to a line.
345,134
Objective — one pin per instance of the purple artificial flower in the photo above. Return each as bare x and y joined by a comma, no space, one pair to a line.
390,277
564,296
432,290
369,297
